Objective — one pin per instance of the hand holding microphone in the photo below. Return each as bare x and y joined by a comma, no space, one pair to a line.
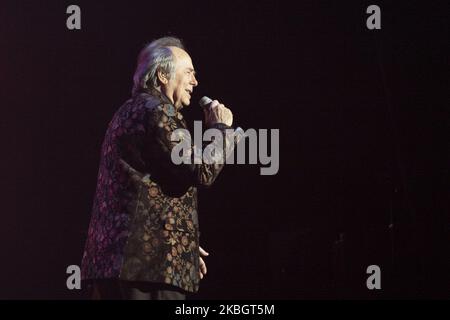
215,112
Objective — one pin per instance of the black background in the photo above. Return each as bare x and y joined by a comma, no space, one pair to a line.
363,141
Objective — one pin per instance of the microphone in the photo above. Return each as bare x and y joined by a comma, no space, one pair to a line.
205,102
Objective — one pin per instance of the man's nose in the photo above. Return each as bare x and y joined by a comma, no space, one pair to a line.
194,81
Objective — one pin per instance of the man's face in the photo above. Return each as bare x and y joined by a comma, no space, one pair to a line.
180,86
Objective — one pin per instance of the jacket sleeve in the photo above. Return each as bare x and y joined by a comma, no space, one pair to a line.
158,148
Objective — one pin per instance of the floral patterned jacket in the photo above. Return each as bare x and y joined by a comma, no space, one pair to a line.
144,224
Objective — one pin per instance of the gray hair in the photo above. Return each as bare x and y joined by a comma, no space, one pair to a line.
156,56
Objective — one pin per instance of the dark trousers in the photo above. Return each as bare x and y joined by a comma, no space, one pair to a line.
113,289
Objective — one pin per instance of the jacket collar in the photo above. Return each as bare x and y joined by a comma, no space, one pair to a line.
167,106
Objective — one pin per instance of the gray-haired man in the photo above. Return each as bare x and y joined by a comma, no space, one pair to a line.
143,238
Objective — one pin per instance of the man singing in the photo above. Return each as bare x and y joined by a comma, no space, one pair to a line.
143,238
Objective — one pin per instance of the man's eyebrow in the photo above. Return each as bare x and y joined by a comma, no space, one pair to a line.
191,69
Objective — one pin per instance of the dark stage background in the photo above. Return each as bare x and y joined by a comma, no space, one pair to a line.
363,125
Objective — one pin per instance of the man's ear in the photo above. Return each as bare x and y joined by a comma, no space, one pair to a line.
162,77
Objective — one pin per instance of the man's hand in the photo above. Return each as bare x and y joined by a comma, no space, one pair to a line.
216,113
203,269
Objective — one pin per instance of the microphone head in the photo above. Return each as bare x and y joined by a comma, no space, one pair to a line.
204,101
